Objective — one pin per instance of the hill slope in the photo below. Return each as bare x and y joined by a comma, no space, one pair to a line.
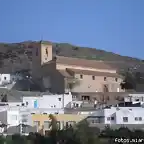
17,56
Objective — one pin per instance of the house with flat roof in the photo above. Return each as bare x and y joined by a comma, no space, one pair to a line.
42,121
123,113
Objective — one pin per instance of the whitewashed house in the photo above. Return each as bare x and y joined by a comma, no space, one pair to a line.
8,80
13,116
48,101
16,120
123,114
134,98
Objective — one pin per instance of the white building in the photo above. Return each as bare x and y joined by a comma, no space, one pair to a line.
133,114
43,101
48,101
6,80
13,116
134,98
45,104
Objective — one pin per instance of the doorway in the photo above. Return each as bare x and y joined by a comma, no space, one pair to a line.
86,98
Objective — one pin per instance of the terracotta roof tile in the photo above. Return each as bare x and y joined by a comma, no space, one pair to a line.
84,63
94,73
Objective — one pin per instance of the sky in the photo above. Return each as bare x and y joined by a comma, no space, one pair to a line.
111,25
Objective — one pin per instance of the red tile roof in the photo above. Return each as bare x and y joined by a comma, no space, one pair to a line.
84,63
94,73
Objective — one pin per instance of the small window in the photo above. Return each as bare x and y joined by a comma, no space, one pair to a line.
116,79
36,123
112,118
108,118
47,124
136,118
73,96
26,103
4,78
93,77
140,118
58,124
125,119
32,113
81,76
23,104
136,99
105,78
46,51
77,105
45,113
59,99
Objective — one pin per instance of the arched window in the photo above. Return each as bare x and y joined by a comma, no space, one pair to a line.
46,51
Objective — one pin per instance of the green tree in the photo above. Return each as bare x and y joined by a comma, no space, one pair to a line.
53,123
2,140
129,81
85,134
71,83
18,139
132,79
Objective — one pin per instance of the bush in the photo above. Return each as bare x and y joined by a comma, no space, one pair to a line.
81,134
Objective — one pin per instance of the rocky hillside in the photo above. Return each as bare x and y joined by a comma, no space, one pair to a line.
17,56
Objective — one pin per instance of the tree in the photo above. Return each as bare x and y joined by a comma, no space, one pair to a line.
2,140
18,139
70,83
54,129
132,79
128,82
85,134
53,123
